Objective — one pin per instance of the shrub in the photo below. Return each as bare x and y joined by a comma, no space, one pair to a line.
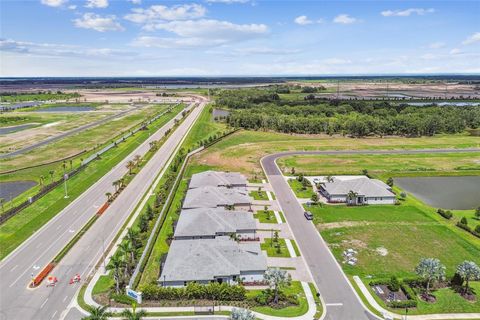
394,284
403,304
464,226
464,221
390,182
456,280
446,214
477,229
211,291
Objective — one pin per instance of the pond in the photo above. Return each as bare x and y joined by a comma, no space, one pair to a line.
6,130
220,113
66,109
11,189
458,193
442,104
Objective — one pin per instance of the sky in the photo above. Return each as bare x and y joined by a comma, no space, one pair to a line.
237,37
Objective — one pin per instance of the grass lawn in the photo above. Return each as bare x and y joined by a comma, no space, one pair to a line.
265,216
242,151
103,284
258,195
318,302
297,188
293,311
282,217
18,228
295,248
271,249
407,232
399,164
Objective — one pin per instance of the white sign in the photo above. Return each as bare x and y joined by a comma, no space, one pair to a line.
137,296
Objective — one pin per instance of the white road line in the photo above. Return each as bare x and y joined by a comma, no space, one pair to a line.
290,248
14,268
38,245
59,227
277,216
53,315
338,304
44,302
66,297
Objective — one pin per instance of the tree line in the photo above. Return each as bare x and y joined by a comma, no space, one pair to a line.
264,110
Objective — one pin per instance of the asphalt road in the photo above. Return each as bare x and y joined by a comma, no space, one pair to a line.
19,302
341,301
64,135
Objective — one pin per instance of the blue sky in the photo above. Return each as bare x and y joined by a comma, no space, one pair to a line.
237,37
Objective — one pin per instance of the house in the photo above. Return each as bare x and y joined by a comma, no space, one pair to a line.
212,260
218,179
358,190
208,223
214,197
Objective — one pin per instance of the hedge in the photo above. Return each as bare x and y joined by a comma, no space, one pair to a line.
446,214
193,290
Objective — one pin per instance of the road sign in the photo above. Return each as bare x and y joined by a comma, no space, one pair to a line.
65,176
137,296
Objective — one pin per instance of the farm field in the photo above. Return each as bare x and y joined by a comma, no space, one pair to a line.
18,228
243,150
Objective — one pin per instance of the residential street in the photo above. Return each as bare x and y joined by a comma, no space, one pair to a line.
19,302
341,301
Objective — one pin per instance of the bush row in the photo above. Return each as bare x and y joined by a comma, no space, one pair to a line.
446,214
211,291
465,227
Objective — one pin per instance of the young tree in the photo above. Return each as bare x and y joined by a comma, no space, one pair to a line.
315,198
109,196
430,270
292,171
137,158
277,279
469,271
241,314
390,182
365,172
149,212
116,264
97,313
477,213
133,314
51,172
2,203
130,166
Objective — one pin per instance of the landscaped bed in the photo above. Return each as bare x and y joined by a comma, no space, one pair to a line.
300,188
258,195
265,216
275,247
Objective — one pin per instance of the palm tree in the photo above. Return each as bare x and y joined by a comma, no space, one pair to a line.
132,235
109,196
128,314
116,263
115,184
97,313
121,182
352,197
2,203
127,250
64,165
130,166
52,172
42,180
137,159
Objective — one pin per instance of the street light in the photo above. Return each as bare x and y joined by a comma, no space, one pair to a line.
65,177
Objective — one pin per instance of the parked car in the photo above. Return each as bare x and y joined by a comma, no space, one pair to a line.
308,215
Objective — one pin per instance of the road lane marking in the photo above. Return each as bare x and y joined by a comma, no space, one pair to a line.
44,302
59,227
53,315
14,268
338,304
66,297
38,245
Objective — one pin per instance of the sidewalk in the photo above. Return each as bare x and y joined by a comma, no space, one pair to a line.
445,316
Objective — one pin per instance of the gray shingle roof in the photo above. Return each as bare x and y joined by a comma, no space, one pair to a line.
205,259
211,221
363,186
212,197
217,179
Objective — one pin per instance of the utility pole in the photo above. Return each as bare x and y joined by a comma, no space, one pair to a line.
65,177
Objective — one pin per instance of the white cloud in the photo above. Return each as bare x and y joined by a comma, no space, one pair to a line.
96,4
98,23
72,7
336,61
344,19
406,12
135,1
472,39
157,13
200,33
54,3
228,1
455,51
436,45
428,56
302,20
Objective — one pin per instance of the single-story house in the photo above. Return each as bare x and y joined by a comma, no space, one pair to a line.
212,260
218,179
214,197
208,223
360,190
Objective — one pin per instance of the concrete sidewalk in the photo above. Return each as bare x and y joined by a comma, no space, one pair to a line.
444,316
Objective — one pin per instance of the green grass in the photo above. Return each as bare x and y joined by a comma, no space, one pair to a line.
265,216
295,248
288,312
103,284
258,195
394,165
38,97
282,217
318,302
408,232
18,228
298,189
270,248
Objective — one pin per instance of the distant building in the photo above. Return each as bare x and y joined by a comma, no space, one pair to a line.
361,190
218,179
209,223
214,197
212,260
